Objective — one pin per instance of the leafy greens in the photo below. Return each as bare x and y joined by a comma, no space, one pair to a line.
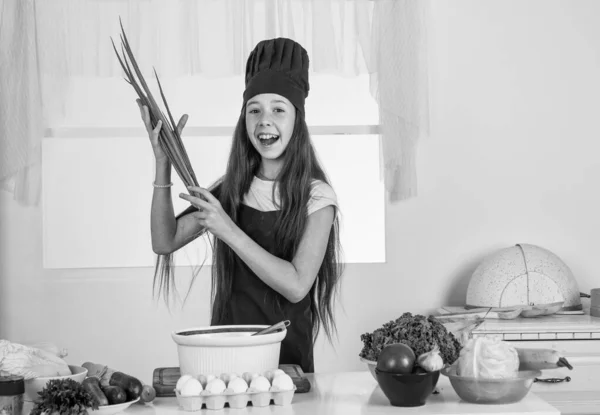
418,332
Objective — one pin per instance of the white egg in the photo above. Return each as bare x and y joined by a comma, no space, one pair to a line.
248,376
204,379
283,382
215,386
182,380
278,372
237,385
227,377
269,375
260,384
192,387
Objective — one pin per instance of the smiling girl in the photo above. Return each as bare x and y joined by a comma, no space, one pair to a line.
273,214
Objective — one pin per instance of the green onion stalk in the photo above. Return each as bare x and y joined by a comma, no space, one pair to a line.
169,138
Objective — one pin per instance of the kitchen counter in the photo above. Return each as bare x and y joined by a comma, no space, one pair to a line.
358,393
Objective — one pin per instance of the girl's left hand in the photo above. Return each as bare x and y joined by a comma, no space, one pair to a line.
210,213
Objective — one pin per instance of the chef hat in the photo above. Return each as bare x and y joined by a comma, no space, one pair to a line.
278,66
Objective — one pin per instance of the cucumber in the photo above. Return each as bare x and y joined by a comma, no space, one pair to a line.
115,395
92,386
132,386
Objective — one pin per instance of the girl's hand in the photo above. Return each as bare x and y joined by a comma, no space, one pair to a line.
210,213
153,133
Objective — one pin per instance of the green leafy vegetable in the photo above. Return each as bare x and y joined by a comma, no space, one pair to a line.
169,138
65,397
420,333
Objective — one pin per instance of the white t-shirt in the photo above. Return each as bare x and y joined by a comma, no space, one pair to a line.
260,195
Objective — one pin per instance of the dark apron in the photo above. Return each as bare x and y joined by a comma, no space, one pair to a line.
254,302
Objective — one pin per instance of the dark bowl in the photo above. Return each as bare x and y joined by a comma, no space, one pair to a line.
407,390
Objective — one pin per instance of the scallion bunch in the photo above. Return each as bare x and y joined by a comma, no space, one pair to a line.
169,138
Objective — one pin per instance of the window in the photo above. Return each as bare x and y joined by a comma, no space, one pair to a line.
98,166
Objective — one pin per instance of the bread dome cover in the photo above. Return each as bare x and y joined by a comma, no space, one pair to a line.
523,275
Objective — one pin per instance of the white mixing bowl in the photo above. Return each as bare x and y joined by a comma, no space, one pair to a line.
227,349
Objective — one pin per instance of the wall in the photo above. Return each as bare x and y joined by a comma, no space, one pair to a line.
512,157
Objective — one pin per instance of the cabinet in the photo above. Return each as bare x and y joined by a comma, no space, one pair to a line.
577,338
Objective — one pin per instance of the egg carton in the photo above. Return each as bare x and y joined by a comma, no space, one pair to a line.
234,400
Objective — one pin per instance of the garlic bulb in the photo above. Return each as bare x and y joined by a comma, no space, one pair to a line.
432,360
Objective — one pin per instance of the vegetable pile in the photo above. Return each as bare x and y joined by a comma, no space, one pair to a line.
111,387
422,334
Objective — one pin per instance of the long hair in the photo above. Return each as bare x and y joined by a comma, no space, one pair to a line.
294,183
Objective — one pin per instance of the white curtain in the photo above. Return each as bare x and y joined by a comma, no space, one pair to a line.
21,125
46,42
399,81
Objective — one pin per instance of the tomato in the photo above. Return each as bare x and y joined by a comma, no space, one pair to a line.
396,358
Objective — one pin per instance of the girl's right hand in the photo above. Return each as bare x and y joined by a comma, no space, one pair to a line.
153,133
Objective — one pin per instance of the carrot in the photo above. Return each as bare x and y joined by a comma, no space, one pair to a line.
540,359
